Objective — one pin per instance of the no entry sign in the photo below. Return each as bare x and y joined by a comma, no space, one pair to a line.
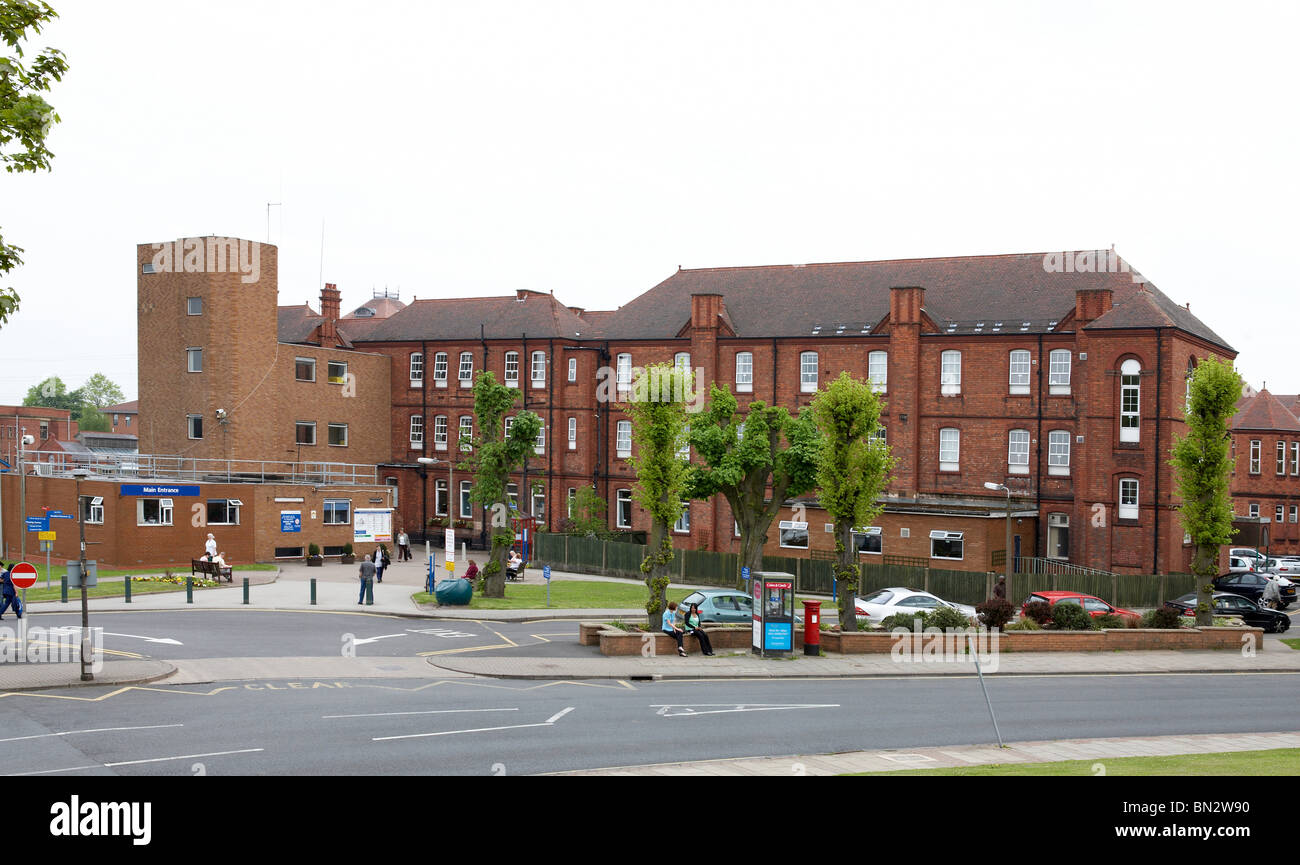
23,575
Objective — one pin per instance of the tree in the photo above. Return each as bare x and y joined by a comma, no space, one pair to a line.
53,393
587,514
495,457
744,457
25,116
93,420
657,407
853,471
1202,469
101,392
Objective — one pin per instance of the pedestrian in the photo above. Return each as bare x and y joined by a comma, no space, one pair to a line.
403,546
694,629
367,574
1000,590
210,547
381,561
670,627
1272,596
9,593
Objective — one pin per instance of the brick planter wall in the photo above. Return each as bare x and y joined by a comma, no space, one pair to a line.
1130,639
617,642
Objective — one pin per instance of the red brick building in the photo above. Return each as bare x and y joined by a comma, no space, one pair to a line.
1266,469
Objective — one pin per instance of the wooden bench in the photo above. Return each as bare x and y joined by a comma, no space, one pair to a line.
211,569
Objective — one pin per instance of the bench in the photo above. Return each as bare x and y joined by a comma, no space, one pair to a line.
211,569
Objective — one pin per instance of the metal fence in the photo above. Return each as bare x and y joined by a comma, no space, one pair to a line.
175,468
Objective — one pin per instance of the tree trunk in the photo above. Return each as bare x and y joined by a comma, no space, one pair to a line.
494,572
1205,567
658,558
846,577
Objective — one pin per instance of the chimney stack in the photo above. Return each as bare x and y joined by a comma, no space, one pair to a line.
329,311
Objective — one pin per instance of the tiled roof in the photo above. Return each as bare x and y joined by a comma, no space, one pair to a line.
539,316
132,407
297,324
380,307
1264,412
1148,306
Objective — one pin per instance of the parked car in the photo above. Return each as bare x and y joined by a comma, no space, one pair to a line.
1228,604
1243,564
1095,606
1251,585
1288,567
1245,553
724,605
880,605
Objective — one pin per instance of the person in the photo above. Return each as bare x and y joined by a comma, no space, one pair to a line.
367,574
513,565
670,627
403,546
1000,590
381,561
210,547
471,573
220,560
9,592
694,629
1271,596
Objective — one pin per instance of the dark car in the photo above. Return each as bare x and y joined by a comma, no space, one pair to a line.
1226,604
1251,585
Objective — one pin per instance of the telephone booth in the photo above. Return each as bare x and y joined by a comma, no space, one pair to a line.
773,594
523,528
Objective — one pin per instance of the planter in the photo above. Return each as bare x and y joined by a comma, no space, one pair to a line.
347,560
315,561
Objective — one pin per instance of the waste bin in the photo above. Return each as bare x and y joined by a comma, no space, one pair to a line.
453,593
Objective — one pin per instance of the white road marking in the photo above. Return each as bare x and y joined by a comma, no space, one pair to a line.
549,722
687,710
99,730
429,712
375,639
445,633
71,629
135,762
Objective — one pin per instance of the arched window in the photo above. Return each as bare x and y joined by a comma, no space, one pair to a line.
417,368
512,369
1018,452
1020,371
1130,393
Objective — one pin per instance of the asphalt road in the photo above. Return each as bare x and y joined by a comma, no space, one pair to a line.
485,727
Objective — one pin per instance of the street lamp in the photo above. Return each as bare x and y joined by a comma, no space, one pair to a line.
86,675
1006,561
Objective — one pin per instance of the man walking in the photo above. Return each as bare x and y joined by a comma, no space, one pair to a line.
367,574
9,593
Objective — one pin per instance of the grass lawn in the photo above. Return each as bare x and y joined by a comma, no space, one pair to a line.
114,588
1281,761
1293,642
566,594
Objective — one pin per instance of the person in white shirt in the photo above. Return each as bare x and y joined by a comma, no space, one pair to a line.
211,546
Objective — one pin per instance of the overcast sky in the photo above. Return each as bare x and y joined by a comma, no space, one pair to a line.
589,148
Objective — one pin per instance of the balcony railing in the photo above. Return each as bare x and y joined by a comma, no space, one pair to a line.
176,468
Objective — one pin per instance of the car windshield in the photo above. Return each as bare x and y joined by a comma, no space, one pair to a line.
693,598
878,598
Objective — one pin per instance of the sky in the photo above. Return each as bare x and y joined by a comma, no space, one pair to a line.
590,148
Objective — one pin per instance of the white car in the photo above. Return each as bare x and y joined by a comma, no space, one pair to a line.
879,606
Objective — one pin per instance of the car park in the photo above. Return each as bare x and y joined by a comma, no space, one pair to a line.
884,603
1095,606
1228,604
1251,585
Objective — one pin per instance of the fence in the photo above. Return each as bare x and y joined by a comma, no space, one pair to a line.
816,576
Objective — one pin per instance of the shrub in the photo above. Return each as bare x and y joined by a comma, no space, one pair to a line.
1039,611
996,612
1025,624
947,619
313,550
905,620
1163,618
1071,617
1109,620
347,548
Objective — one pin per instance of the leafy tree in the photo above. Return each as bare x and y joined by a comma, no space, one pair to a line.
101,392
587,514
25,116
1202,469
853,471
494,458
657,407
774,451
93,420
53,393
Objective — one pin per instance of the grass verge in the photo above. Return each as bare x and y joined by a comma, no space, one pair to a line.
1293,642
115,588
573,594
1280,761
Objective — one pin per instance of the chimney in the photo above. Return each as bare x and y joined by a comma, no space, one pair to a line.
329,311
905,304
1091,304
577,310
706,309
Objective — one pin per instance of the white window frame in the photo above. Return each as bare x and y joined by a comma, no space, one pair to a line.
623,372
684,444
416,429
309,362
621,498
948,537
1255,456
329,508
868,531
193,354
683,524
507,424
623,439
1295,458
538,369
465,372
336,379
465,433
1279,511
232,507
878,370
1130,385
190,420
165,511
949,449
1253,510
440,432
808,371
441,497
440,369
573,433
189,306
1129,502
466,504
1020,366
1058,452
1281,457
94,510
417,368
539,503
568,509
539,443
1058,376
793,526
304,424
573,369
744,372
1293,514
512,369
329,431
950,372
1018,452
682,361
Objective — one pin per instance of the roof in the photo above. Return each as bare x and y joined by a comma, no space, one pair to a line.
1264,412
536,315
298,324
132,407
378,307
1148,306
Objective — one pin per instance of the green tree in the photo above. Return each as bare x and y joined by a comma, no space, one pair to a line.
494,458
1202,468
657,407
853,471
743,458
587,515
93,420
53,393
25,116
101,391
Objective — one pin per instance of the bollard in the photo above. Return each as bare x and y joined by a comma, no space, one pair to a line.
313,591
189,590
370,593
245,590
63,587
126,587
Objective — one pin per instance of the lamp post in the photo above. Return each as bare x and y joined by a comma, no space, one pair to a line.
86,674
1006,562
433,461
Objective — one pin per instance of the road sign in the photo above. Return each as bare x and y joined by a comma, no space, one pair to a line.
546,572
60,515
23,575
449,540
38,524
46,536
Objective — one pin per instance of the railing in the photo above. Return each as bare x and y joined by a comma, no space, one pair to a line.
176,468
1056,567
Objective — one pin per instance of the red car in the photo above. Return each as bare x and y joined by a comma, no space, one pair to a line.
1095,606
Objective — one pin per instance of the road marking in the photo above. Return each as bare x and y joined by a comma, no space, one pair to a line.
499,634
627,685
464,649
445,633
375,639
99,730
136,762
666,711
117,653
72,629
547,723
429,712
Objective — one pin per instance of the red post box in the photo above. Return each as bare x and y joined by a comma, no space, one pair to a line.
812,630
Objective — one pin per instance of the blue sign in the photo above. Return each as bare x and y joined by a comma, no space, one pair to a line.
780,637
546,572
290,521
158,490
744,573
38,524
60,515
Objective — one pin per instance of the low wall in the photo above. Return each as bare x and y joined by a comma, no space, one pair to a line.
614,641
1117,639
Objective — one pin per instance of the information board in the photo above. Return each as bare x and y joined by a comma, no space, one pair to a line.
373,525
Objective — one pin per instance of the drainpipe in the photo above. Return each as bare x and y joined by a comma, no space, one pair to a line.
424,446
1155,546
482,532
524,357
550,422
1041,544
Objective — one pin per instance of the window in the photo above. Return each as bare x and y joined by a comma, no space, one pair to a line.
950,373
1058,381
288,552
539,502
878,370
1128,499
794,534
1254,510
440,369
440,432
417,369
568,511
867,540
744,372
466,369
684,444
880,436
153,512
1295,458
45,430
539,369
338,433
194,306
1254,456
573,433
92,510
512,369
1018,452
417,431
1058,452
1129,401
623,372
336,512
194,359
683,524
624,442
466,499
573,369
305,432
1058,536
509,422
539,444
949,449
195,424
224,512
682,361
304,369
512,496
623,509
1278,513
466,433
336,371
440,497
1281,457
1292,513
947,545
1020,371
807,372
